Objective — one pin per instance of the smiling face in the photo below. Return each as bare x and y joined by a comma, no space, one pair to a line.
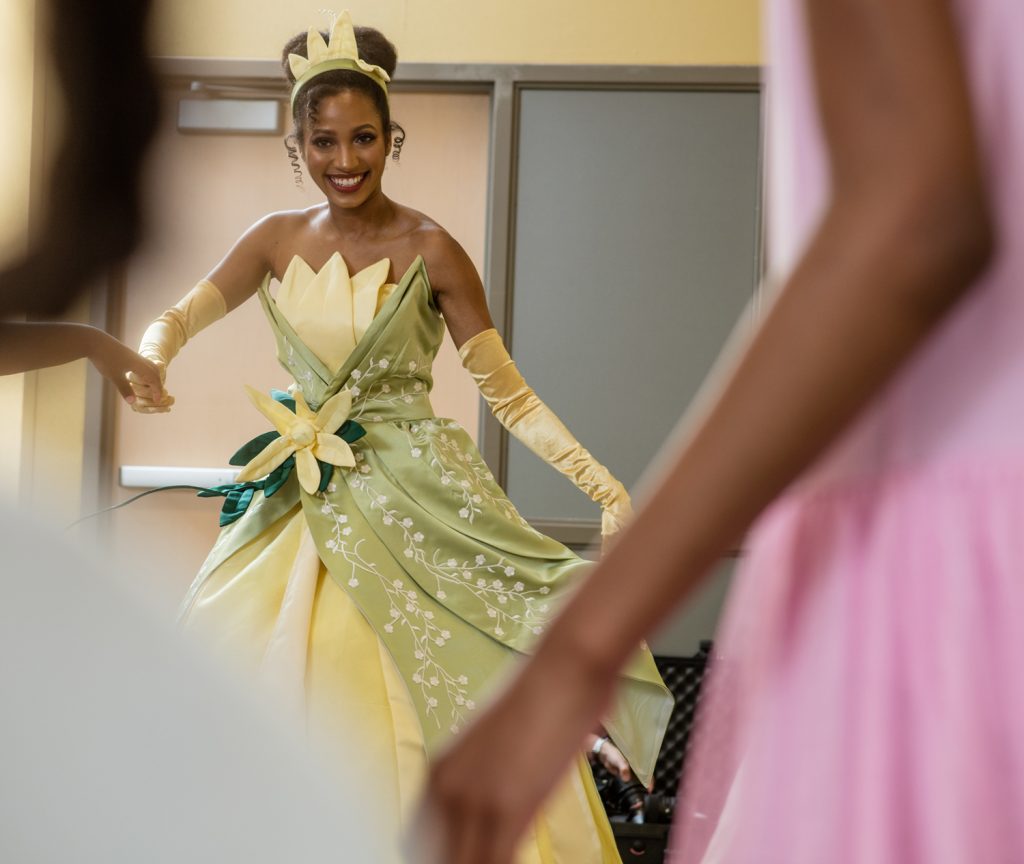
346,148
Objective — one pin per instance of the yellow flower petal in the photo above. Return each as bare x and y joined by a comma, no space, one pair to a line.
308,470
267,460
334,411
301,407
273,410
331,448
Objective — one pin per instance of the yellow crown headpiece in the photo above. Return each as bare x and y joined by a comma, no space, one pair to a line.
339,53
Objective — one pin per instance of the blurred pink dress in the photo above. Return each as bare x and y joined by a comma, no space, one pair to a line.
867,698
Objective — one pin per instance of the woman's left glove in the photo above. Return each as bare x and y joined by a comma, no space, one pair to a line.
520,411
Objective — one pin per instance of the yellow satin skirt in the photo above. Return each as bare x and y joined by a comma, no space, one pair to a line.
274,610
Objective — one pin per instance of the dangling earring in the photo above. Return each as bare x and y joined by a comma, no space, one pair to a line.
291,145
397,140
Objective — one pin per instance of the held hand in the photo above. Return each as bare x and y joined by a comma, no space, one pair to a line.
148,393
118,363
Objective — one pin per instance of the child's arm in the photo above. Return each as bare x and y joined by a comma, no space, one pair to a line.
32,345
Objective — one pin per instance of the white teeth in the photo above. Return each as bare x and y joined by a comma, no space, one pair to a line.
347,181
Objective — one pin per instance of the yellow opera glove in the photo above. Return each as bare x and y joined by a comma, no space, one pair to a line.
309,436
165,337
519,410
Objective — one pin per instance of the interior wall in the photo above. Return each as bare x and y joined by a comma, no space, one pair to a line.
647,32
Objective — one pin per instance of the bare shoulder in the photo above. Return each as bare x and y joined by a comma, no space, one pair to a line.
448,264
453,278
256,253
284,224
274,234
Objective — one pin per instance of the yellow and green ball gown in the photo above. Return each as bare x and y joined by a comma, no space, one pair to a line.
395,597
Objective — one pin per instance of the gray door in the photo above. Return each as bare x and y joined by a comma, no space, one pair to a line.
635,253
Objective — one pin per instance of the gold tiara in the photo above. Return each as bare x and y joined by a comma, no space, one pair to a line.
339,53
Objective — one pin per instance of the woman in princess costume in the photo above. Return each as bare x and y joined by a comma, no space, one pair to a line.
369,568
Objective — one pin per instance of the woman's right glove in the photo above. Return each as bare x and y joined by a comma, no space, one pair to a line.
165,337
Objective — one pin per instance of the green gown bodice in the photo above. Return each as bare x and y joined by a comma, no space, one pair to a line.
418,533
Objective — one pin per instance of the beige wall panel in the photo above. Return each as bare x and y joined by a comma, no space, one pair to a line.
52,445
12,394
17,33
205,191
647,32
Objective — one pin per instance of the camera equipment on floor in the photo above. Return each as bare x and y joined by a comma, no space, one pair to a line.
640,819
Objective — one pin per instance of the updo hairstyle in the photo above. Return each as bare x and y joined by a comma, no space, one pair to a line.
375,49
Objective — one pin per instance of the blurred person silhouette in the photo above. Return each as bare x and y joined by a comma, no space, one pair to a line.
868,670
93,214
120,744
